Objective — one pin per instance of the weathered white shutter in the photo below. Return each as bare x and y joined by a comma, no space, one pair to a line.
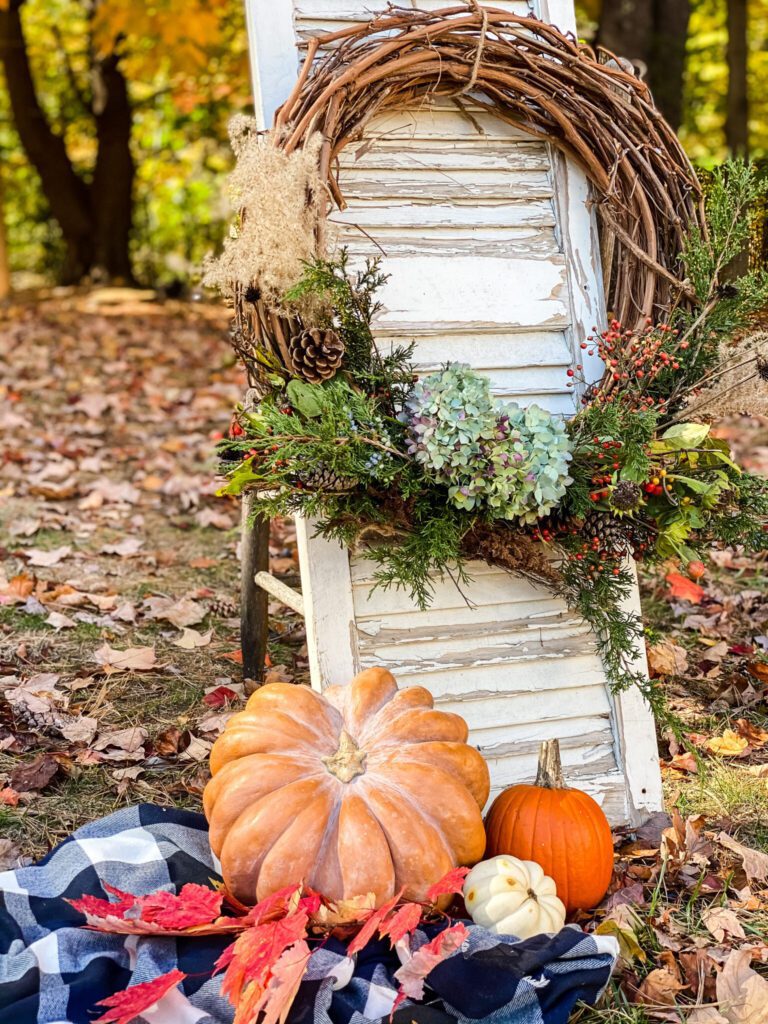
493,260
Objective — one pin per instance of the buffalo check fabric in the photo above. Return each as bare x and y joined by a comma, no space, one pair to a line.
53,971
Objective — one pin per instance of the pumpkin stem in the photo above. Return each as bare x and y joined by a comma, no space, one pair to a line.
550,773
349,760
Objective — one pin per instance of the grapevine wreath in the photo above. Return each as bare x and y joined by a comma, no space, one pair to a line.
427,474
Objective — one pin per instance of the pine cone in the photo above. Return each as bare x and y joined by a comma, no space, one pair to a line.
610,533
321,478
316,354
224,608
626,496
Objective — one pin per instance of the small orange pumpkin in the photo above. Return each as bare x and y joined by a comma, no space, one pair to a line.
564,830
364,788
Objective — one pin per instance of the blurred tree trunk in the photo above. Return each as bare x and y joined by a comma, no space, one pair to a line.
5,266
737,108
653,34
113,175
95,218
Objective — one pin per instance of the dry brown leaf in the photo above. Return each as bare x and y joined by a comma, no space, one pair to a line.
24,527
134,659
720,921
181,613
122,744
755,863
191,639
667,659
741,992
203,562
125,612
706,1015
166,743
126,548
39,556
104,602
659,988
60,621
10,855
753,734
278,674
30,777
80,729
196,750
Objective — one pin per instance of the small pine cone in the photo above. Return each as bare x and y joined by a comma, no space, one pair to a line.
626,496
316,354
25,719
224,608
610,534
321,478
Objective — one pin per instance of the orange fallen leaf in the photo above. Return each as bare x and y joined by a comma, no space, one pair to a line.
236,656
684,762
684,588
753,734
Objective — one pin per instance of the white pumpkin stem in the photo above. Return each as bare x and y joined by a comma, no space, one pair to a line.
550,772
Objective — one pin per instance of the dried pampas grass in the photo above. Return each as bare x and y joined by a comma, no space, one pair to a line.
739,385
279,198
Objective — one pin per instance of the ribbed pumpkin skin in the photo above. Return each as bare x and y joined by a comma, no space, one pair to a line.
364,788
563,830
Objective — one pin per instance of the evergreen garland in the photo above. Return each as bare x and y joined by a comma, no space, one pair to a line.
411,473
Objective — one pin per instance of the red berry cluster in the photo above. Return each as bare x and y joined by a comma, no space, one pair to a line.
598,561
634,358
606,454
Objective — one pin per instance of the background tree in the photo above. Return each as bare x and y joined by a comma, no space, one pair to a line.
83,81
737,104
705,61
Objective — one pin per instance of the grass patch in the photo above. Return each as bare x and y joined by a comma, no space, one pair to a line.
726,791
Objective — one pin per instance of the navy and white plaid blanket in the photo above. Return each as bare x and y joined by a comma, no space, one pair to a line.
52,971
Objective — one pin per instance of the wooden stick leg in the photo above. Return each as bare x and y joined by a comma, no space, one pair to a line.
254,615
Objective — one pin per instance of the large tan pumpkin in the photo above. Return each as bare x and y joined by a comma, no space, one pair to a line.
365,788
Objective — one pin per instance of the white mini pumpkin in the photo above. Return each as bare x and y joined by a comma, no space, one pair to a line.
513,897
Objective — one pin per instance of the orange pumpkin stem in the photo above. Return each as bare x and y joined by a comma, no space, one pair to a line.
550,771
349,760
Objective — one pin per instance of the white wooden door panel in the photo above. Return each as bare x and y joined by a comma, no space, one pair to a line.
493,260
314,17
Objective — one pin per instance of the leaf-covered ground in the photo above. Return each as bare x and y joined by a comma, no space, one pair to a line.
119,646
119,642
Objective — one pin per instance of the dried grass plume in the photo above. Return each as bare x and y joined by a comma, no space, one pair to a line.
739,385
278,199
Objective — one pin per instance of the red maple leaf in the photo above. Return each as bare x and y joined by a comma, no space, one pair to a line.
219,697
125,1006
278,903
372,925
275,999
252,956
193,905
451,883
684,588
413,973
96,909
403,922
